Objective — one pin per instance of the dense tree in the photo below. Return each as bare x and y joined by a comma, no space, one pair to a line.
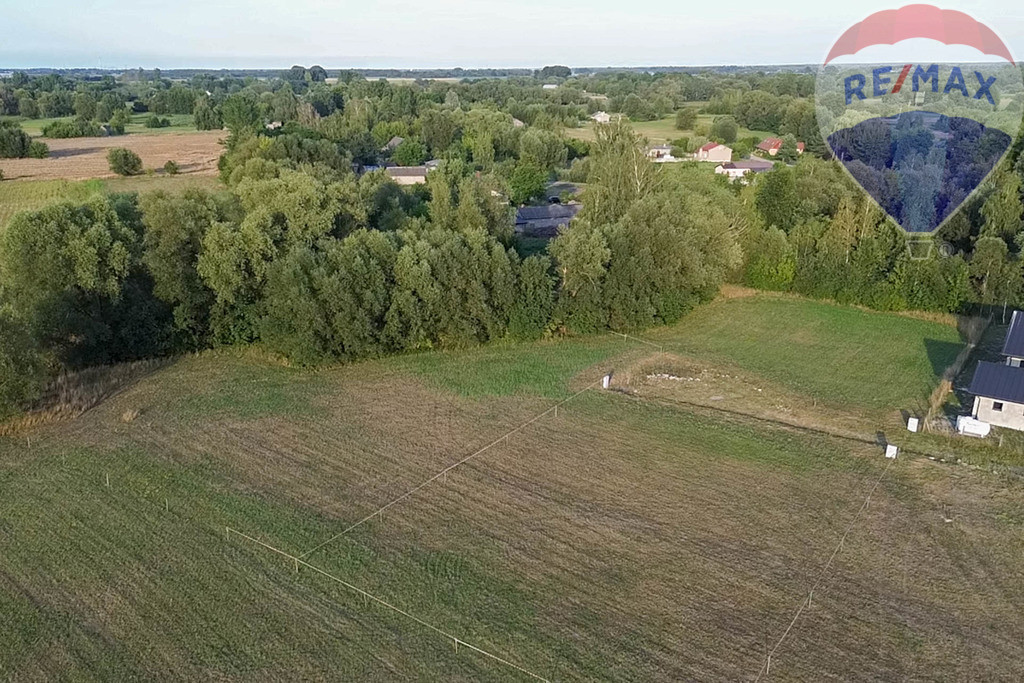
1002,211
620,173
85,105
205,116
725,129
776,198
527,182
240,112
71,273
686,118
175,226
22,367
331,304
411,152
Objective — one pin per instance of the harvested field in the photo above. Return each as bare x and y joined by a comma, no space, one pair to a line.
195,153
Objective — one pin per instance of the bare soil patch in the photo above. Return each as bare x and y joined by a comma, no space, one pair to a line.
82,158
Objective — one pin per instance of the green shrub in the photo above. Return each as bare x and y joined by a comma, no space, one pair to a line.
14,142
119,120
155,121
79,128
171,168
38,150
124,161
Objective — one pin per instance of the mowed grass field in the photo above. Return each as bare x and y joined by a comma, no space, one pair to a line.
663,130
617,540
840,355
31,195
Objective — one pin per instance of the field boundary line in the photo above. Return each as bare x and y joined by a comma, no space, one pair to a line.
660,347
766,666
369,596
448,469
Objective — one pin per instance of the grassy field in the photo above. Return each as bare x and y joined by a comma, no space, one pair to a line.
621,539
840,355
664,130
29,195
180,123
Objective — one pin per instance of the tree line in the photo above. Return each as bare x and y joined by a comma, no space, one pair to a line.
322,265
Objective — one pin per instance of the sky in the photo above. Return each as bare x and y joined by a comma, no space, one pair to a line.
168,34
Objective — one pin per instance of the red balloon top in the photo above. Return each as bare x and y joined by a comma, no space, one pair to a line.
889,27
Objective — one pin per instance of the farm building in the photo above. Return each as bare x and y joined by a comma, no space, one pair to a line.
602,117
771,146
544,221
998,388
739,169
714,152
408,175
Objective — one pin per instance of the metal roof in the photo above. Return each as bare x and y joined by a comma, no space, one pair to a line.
406,171
998,381
1014,345
529,214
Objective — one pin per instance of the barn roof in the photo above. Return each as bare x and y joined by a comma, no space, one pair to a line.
1014,345
998,381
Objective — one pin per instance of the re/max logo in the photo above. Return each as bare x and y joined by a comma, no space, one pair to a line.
881,77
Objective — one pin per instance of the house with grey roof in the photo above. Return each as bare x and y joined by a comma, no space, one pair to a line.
408,175
998,388
739,169
544,221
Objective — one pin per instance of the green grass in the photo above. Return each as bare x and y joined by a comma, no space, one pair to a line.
17,196
541,369
179,123
619,539
837,354
664,130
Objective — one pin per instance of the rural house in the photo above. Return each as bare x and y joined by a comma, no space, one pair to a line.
660,153
998,388
393,144
408,175
714,152
739,169
544,221
771,146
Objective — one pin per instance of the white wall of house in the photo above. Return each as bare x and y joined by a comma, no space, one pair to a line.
719,154
999,413
733,173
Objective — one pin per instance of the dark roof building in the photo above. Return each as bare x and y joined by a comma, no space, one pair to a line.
755,165
998,381
544,221
1014,344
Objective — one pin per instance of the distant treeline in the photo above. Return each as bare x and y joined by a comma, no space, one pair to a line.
425,74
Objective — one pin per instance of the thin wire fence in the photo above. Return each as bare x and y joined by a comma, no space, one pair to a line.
443,473
384,603
766,666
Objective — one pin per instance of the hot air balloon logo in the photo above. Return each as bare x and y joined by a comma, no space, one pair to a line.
919,136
